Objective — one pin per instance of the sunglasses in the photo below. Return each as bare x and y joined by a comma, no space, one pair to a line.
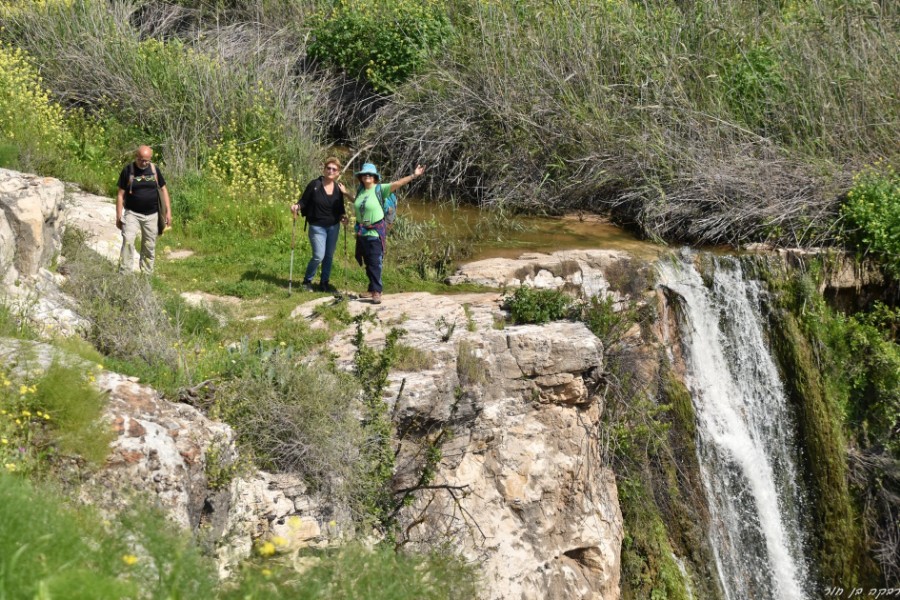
332,169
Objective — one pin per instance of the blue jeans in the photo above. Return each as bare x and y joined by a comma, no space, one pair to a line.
323,241
373,257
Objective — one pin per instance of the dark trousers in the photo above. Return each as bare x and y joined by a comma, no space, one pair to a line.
373,258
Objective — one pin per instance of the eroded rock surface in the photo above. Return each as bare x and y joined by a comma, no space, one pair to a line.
521,487
30,223
586,272
95,216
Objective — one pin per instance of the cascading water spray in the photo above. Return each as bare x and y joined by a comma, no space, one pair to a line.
745,440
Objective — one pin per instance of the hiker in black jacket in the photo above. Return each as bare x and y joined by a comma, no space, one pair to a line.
322,203
142,195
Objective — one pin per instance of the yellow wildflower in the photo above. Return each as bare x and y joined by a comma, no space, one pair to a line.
11,467
129,559
4,441
266,549
23,389
266,573
279,541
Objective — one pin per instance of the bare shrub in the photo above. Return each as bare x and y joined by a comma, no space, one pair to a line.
297,418
128,320
647,112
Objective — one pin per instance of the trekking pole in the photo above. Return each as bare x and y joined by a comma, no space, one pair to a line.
291,272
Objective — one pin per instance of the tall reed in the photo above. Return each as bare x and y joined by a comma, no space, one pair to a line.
708,122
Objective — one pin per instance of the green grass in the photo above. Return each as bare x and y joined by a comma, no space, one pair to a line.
56,413
354,573
51,550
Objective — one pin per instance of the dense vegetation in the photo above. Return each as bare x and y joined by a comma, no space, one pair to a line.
704,122
842,370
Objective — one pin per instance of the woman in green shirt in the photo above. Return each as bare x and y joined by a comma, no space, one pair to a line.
370,226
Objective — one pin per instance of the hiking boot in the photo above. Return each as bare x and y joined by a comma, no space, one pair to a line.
365,295
307,286
376,297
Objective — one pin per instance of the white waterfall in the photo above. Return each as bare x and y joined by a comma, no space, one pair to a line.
745,440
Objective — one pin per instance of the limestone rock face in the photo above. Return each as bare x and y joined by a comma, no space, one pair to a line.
96,217
171,450
521,488
586,272
30,223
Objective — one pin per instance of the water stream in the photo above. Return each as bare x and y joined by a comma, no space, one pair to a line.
746,449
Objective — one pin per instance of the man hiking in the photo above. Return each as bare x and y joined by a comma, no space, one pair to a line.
142,194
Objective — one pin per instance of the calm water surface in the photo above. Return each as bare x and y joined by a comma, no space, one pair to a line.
531,234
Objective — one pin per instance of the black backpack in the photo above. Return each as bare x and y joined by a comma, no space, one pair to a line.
160,212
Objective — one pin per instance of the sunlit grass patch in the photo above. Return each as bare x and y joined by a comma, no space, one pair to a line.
46,414
354,572
51,550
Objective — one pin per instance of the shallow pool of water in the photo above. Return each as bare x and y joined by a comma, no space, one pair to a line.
514,236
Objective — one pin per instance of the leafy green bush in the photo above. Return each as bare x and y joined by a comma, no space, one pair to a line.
872,210
754,85
43,136
27,115
381,41
529,305
607,323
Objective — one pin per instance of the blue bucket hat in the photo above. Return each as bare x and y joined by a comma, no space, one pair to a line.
369,169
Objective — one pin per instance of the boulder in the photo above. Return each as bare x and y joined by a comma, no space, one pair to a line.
30,223
96,217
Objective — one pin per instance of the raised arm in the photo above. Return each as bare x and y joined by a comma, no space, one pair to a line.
396,185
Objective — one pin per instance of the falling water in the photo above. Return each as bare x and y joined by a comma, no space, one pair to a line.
745,432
